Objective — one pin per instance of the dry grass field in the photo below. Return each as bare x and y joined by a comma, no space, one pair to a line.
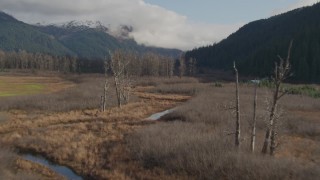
193,142
196,139
24,85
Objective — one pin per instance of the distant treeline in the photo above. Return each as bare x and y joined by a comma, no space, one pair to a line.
149,64
23,60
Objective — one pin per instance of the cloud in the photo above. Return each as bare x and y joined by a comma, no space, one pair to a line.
153,25
297,4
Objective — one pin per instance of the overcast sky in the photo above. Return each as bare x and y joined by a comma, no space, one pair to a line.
182,24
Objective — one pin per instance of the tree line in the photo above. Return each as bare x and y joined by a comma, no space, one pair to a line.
28,61
148,64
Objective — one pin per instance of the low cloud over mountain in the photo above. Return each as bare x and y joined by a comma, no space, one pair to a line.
152,25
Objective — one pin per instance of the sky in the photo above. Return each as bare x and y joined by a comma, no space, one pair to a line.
182,24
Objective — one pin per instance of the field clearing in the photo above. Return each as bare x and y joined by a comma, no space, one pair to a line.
19,85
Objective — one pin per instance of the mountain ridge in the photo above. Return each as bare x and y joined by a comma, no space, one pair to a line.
87,39
256,45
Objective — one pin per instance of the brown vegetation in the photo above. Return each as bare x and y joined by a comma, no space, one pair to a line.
82,92
195,139
77,134
8,168
192,142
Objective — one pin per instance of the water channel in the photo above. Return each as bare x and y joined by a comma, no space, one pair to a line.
67,172
62,170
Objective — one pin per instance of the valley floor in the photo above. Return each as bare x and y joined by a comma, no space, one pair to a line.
67,128
90,142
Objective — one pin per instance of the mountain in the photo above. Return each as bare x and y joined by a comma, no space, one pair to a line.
93,40
256,45
86,39
16,35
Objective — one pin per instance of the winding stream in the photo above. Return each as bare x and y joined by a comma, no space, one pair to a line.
62,170
67,172
158,115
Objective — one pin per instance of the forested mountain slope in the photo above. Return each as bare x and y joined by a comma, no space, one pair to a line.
256,45
72,40
16,35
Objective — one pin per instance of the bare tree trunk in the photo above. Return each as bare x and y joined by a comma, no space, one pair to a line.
105,89
253,130
182,67
106,86
118,91
101,103
171,67
122,74
167,67
273,116
281,72
273,138
237,134
271,120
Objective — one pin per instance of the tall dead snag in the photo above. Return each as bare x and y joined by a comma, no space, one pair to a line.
169,67
106,86
192,63
237,134
253,124
281,72
122,79
182,65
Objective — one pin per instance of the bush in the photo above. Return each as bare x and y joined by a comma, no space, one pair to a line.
156,81
185,89
216,84
266,83
304,90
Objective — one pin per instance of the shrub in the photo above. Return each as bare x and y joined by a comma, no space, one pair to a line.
304,90
185,89
217,84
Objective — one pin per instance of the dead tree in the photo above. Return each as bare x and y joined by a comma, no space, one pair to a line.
169,67
2,60
182,66
126,88
119,67
192,66
106,86
281,72
237,134
254,121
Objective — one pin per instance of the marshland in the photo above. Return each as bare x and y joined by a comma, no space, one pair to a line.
195,140
126,96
